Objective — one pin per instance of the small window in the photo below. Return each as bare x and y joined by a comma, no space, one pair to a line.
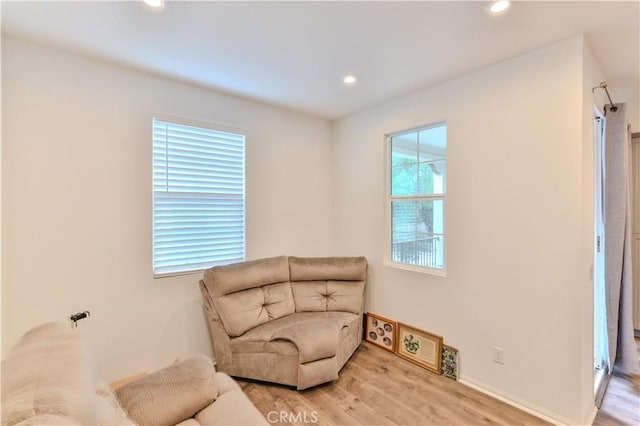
198,196
416,198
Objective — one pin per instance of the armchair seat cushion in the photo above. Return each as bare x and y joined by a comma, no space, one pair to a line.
310,335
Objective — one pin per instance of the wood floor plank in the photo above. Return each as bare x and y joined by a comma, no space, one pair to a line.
280,399
378,388
404,385
448,398
375,397
356,406
327,408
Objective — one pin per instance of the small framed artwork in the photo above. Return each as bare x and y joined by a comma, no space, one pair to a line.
450,365
381,331
419,347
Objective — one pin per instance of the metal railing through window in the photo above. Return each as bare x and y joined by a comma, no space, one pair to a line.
420,252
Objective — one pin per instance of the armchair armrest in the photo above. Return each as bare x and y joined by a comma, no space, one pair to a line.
170,395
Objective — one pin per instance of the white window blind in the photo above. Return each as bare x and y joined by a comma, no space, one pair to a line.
198,197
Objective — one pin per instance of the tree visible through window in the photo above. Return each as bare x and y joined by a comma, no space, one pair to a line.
417,187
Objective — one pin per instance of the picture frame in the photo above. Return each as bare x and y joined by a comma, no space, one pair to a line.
420,347
380,331
450,362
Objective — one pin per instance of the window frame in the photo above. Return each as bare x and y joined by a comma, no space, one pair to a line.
208,126
389,199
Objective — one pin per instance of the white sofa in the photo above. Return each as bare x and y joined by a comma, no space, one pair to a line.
49,378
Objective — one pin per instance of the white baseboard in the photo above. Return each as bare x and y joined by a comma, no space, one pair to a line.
519,403
593,415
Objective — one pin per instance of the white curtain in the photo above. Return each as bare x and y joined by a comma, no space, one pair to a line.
617,218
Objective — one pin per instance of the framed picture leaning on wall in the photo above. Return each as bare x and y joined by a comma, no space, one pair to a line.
419,347
450,362
381,331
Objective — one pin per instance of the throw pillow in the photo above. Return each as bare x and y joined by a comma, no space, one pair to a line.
171,395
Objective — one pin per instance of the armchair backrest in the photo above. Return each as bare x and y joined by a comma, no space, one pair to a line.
328,283
248,294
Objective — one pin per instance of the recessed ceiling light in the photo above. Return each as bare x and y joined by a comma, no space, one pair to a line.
350,79
155,3
499,6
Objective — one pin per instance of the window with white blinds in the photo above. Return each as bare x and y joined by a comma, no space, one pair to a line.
198,196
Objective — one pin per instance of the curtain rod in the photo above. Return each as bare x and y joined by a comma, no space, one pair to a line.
604,86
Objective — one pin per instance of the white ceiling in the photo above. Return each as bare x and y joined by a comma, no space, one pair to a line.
294,54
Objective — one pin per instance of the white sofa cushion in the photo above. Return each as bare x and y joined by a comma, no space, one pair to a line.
49,379
50,372
109,412
49,420
231,407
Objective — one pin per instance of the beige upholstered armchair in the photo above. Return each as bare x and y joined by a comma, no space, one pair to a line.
288,320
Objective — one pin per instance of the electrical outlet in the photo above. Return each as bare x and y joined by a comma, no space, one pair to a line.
498,355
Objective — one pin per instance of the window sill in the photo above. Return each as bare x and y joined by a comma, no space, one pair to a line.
176,274
419,269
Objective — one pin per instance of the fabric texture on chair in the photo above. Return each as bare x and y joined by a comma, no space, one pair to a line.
227,279
318,296
246,309
328,268
289,320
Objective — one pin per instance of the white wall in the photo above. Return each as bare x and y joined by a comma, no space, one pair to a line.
77,200
517,272
1,221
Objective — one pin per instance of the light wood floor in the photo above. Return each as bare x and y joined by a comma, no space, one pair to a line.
378,388
621,404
